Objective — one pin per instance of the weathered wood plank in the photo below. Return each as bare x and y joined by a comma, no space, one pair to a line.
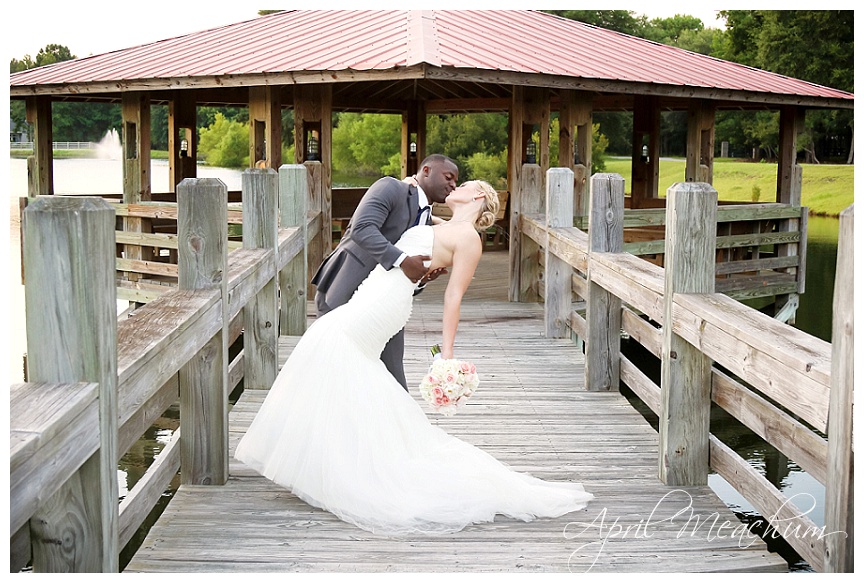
734,336
51,437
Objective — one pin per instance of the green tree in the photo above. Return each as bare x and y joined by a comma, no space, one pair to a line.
51,53
489,167
669,30
784,41
225,143
618,20
364,143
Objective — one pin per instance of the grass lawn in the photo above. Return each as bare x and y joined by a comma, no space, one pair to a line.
827,189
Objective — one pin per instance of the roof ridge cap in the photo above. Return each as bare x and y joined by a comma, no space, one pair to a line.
422,41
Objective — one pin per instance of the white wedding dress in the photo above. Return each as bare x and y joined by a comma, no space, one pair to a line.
342,434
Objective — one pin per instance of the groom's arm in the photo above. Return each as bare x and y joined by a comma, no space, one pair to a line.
368,221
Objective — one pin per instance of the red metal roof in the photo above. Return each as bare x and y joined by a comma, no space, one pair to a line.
518,41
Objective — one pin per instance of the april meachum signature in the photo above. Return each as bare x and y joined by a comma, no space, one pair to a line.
712,527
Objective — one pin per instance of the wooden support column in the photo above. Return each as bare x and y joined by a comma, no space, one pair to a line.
789,181
685,378
182,139
574,147
603,309
558,296
645,156
265,126
312,115
40,166
529,109
136,167
260,315
700,142
293,202
202,240
72,336
840,474
413,137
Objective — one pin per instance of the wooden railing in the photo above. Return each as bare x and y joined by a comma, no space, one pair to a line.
95,385
761,248
780,382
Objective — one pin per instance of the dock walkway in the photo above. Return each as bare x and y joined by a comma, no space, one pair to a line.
530,412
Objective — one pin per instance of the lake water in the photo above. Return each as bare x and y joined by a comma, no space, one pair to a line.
104,176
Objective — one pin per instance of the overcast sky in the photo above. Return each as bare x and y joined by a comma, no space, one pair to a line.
91,27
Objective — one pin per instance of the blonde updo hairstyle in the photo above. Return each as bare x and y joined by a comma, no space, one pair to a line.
490,208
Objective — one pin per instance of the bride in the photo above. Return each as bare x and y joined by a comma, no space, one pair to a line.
341,433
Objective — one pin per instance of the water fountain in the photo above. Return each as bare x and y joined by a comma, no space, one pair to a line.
109,147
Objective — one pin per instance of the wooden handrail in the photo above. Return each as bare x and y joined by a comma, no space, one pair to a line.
153,344
791,368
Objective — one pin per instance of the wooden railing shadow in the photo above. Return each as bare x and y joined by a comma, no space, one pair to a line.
95,385
792,389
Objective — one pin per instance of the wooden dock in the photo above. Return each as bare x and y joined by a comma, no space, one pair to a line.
530,412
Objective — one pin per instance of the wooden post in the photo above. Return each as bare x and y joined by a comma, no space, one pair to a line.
603,309
514,183
558,293
789,188
293,204
72,336
314,104
700,141
646,133
840,480
136,168
574,146
202,237
531,201
181,128
40,166
685,378
261,315
265,126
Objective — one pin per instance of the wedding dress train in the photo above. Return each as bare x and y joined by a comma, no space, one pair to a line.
342,434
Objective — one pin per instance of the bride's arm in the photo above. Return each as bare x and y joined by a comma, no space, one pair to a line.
465,259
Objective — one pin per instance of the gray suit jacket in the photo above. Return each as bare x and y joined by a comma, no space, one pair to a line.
386,211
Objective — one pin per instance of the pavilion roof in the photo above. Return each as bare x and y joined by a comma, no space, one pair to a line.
493,46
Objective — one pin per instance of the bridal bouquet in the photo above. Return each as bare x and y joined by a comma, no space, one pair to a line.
448,384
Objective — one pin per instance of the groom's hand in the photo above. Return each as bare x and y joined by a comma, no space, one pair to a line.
413,267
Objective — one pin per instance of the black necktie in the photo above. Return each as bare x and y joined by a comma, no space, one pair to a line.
420,220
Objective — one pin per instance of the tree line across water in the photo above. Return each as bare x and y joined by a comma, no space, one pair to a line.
781,41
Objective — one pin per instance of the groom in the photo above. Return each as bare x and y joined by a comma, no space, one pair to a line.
388,209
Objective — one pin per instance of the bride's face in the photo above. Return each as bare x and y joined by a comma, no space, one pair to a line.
465,194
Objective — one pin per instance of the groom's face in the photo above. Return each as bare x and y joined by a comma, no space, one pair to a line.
438,180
